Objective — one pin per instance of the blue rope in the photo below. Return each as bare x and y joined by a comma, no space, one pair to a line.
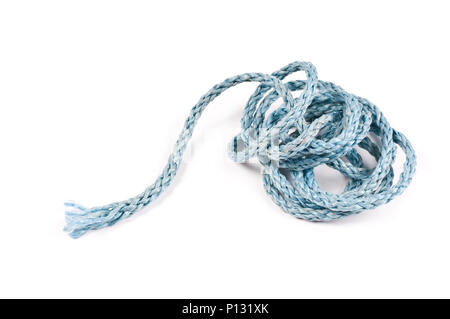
321,126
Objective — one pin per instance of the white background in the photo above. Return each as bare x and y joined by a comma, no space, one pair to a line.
93,95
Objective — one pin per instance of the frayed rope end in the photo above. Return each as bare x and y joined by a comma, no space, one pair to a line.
80,220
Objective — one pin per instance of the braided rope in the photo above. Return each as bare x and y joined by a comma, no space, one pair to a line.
321,126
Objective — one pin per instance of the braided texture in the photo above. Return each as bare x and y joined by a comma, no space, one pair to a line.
323,125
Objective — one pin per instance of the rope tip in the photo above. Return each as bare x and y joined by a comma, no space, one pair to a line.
75,214
80,219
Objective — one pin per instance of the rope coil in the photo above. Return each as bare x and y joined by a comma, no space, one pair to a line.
321,126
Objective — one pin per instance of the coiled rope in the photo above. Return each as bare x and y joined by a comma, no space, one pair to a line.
321,126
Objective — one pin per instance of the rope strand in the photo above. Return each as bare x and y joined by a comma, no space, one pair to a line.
322,126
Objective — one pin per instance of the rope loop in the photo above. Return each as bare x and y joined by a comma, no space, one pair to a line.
323,125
